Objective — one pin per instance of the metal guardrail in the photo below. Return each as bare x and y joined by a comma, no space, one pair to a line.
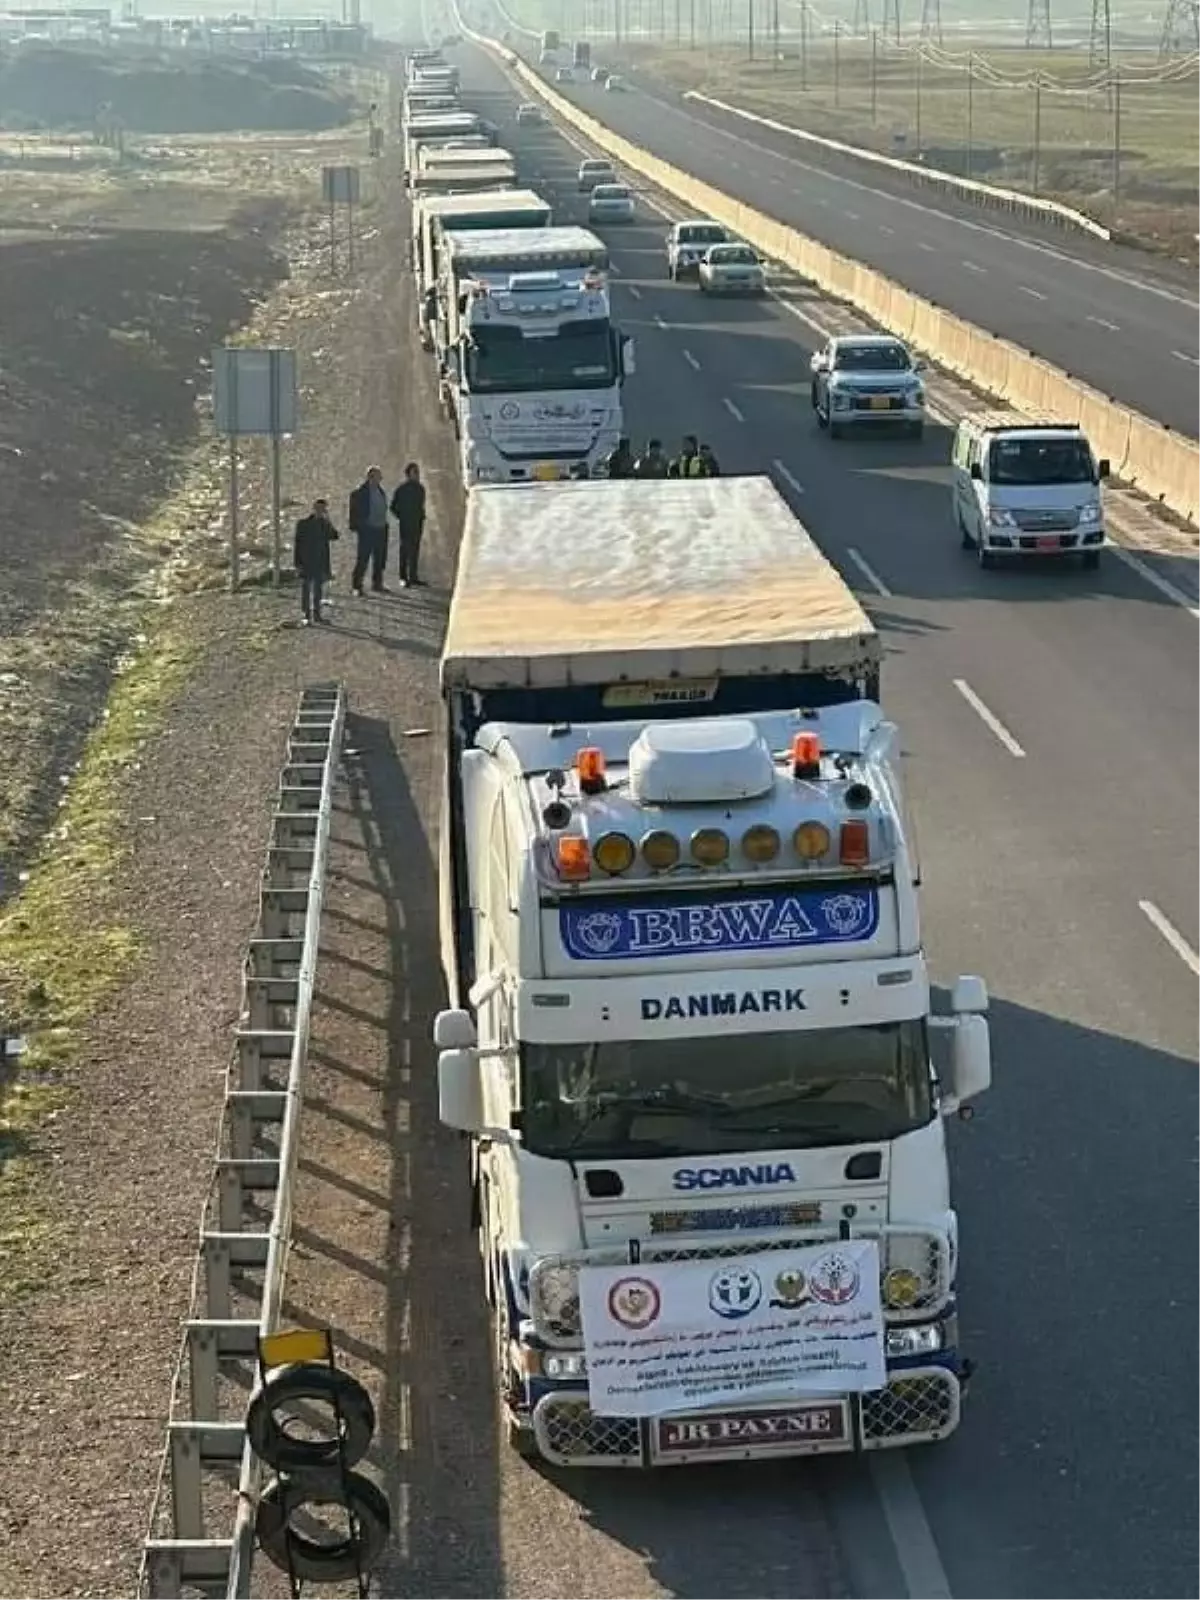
255,1158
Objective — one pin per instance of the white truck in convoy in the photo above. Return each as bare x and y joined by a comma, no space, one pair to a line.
454,169
690,1013
533,364
433,215
429,128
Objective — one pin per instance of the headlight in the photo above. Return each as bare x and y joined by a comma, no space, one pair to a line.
1002,519
840,400
923,1341
1089,513
564,1364
558,1299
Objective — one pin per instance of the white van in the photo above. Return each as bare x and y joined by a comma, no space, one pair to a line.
1027,485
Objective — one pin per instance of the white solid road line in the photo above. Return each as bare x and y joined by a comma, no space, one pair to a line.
1171,934
691,361
1034,294
732,409
1183,355
916,1549
869,573
789,478
1155,579
973,266
988,717
1103,322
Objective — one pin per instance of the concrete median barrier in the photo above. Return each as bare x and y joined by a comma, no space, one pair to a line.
1164,465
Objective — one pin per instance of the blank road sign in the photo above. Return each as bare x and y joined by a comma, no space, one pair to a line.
254,391
339,185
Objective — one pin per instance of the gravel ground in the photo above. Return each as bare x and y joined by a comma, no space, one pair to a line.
383,1252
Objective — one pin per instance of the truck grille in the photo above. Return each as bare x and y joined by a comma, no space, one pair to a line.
1046,521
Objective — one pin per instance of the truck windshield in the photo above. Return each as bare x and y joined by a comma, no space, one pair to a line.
504,361
705,1095
1036,461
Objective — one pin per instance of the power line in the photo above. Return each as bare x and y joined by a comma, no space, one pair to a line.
1038,32
931,20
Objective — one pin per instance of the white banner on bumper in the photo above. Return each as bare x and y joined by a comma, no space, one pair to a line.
666,1337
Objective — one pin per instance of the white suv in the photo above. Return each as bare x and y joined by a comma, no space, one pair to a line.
688,243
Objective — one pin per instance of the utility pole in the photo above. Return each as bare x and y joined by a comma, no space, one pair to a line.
1038,32
874,75
920,64
837,63
970,113
891,18
861,26
1116,167
691,24
774,35
750,30
1036,176
1181,28
931,20
803,47
1100,39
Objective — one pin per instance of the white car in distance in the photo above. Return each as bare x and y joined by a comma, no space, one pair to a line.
594,172
610,202
529,115
731,269
689,242
614,85
867,380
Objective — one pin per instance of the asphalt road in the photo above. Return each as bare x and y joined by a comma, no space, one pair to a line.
1106,314
1049,722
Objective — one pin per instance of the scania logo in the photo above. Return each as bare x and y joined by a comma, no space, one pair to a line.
744,1177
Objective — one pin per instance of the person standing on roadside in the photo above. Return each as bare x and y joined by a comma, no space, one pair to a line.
710,467
311,558
369,521
408,508
651,463
619,463
687,463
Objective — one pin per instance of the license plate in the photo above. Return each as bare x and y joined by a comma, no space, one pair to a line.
782,1428
880,402
546,472
1048,541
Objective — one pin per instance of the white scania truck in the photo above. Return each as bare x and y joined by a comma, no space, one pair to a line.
690,1013
533,364
433,215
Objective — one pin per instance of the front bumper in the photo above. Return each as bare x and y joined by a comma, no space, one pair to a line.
920,1405
1018,542
720,285
600,214
858,414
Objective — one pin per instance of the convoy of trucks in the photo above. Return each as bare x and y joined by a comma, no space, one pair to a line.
691,1035
516,312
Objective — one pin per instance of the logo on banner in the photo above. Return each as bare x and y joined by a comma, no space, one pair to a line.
634,1303
791,1290
674,926
735,1292
834,1279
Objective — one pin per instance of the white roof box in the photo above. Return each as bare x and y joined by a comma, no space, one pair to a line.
698,763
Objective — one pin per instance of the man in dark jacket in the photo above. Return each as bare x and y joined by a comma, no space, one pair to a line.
620,461
310,555
652,463
369,520
408,508
710,467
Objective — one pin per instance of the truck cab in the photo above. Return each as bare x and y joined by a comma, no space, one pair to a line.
691,1015
534,364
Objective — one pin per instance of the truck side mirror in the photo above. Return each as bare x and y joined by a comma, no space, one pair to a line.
970,1044
460,1090
454,1030
817,364
1102,467
628,358
977,471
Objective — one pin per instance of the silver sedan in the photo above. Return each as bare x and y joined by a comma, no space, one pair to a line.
731,269
610,202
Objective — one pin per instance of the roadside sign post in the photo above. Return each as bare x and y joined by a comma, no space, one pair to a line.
255,394
340,187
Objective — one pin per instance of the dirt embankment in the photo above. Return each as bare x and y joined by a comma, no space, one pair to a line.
152,92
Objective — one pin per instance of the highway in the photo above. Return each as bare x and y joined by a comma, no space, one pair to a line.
1049,722
1104,313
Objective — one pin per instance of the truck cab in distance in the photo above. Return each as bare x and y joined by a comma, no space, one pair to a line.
691,1015
533,362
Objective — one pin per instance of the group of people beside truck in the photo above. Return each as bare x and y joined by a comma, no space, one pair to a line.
695,460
